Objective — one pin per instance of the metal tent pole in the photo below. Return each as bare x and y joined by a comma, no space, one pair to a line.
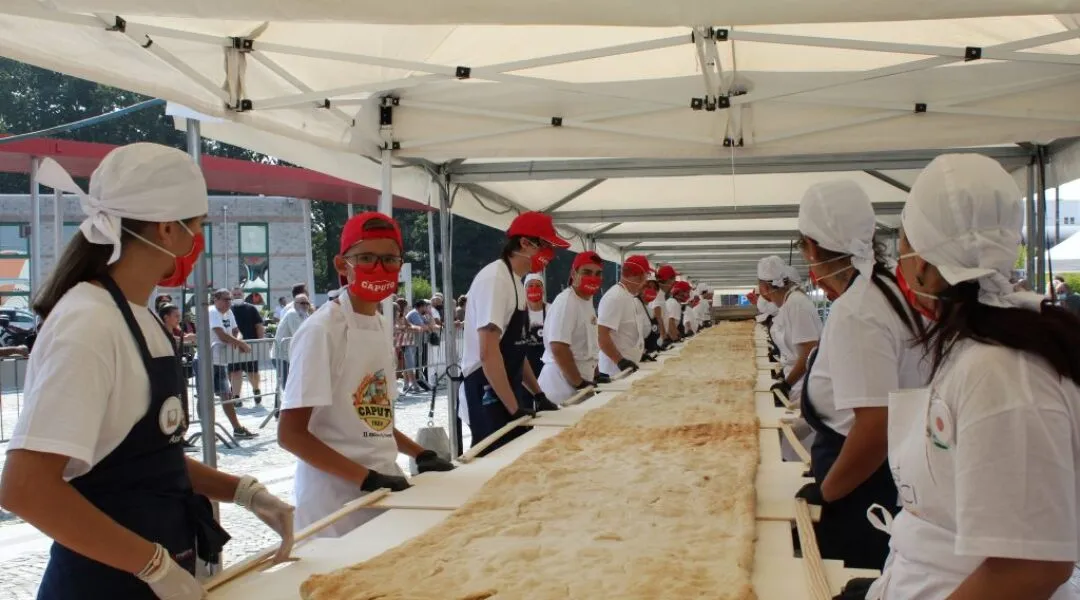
204,381
431,254
58,225
349,210
35,228
386,206
305,205
450,305
1029,208
1040,258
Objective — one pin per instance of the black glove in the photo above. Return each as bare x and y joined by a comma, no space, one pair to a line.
601,378
523,411
585,383
811,492
541,403
376,480
648,358
626,363
856,589
665,344
429,461
783,386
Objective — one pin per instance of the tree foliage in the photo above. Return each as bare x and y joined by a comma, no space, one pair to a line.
32,99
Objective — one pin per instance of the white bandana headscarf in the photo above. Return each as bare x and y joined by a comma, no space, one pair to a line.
772,269
793,275
838,215
534,277
964,217
145,182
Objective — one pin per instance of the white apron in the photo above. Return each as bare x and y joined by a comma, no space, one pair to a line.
359,425
923,563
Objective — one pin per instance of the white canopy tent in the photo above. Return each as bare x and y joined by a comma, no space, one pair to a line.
735,106
1065,257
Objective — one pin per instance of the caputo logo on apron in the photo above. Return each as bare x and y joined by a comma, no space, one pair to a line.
372,401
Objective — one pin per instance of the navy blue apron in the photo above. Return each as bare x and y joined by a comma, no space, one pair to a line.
844,533
487,413
534,338
652,340
680,325
144,486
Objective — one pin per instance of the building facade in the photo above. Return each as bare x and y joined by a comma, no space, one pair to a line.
260,242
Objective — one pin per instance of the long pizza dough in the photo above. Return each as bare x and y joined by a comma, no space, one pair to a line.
650,497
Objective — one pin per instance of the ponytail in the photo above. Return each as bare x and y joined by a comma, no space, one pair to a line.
1052,334
81,261
899,305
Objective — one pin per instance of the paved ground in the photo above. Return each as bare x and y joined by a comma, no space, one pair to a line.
24,551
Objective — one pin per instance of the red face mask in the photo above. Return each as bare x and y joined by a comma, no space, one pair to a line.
541,259
590,284
373,284
534,294
695,302
649,295
184,265
912,297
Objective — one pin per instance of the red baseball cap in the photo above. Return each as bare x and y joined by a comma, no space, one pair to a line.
536,225
666,273
363,227
586,258
680,287
638,262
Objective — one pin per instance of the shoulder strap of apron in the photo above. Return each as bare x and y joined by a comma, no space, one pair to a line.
129,318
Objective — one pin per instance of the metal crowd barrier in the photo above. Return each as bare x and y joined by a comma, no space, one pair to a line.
12,379
261,365
419,360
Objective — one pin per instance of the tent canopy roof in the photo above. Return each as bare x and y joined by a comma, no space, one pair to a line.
735,106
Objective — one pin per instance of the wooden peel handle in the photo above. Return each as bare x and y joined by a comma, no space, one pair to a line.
247,565
475,451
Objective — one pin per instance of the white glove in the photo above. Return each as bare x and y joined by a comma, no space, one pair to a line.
168,580
277,515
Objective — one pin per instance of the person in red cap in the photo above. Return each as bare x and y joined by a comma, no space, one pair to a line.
665,278
570,345
536,301
650,322
673,310
338,412
622,342
499,383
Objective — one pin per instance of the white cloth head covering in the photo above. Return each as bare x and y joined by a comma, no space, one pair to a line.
772,269
534,277
838,216
963,216
145,182
793,275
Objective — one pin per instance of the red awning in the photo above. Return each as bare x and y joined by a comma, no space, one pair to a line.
222,174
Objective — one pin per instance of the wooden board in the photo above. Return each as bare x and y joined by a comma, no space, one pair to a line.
776,487
768,413
449,490
778,574
323,555
572,414
769,448
623,384
764,381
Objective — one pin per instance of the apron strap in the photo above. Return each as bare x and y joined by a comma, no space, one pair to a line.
129,318
883,522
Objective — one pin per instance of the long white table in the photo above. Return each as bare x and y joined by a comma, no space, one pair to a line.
778,574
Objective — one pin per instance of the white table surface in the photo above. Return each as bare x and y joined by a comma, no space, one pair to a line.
449,490
572,414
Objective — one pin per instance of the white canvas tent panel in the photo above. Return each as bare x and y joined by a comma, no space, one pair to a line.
1065,257
569,12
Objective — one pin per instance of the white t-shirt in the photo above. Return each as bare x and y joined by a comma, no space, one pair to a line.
619,312
571,320
86,385
987,463
342,365
864,353
226,321
537,320
491,301
672,310
797,323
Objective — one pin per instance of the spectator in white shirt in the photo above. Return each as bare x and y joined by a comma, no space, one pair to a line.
225,344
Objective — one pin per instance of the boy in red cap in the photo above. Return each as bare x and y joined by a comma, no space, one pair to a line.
665,278
673,310
499,384
622,342
338,412
570,345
